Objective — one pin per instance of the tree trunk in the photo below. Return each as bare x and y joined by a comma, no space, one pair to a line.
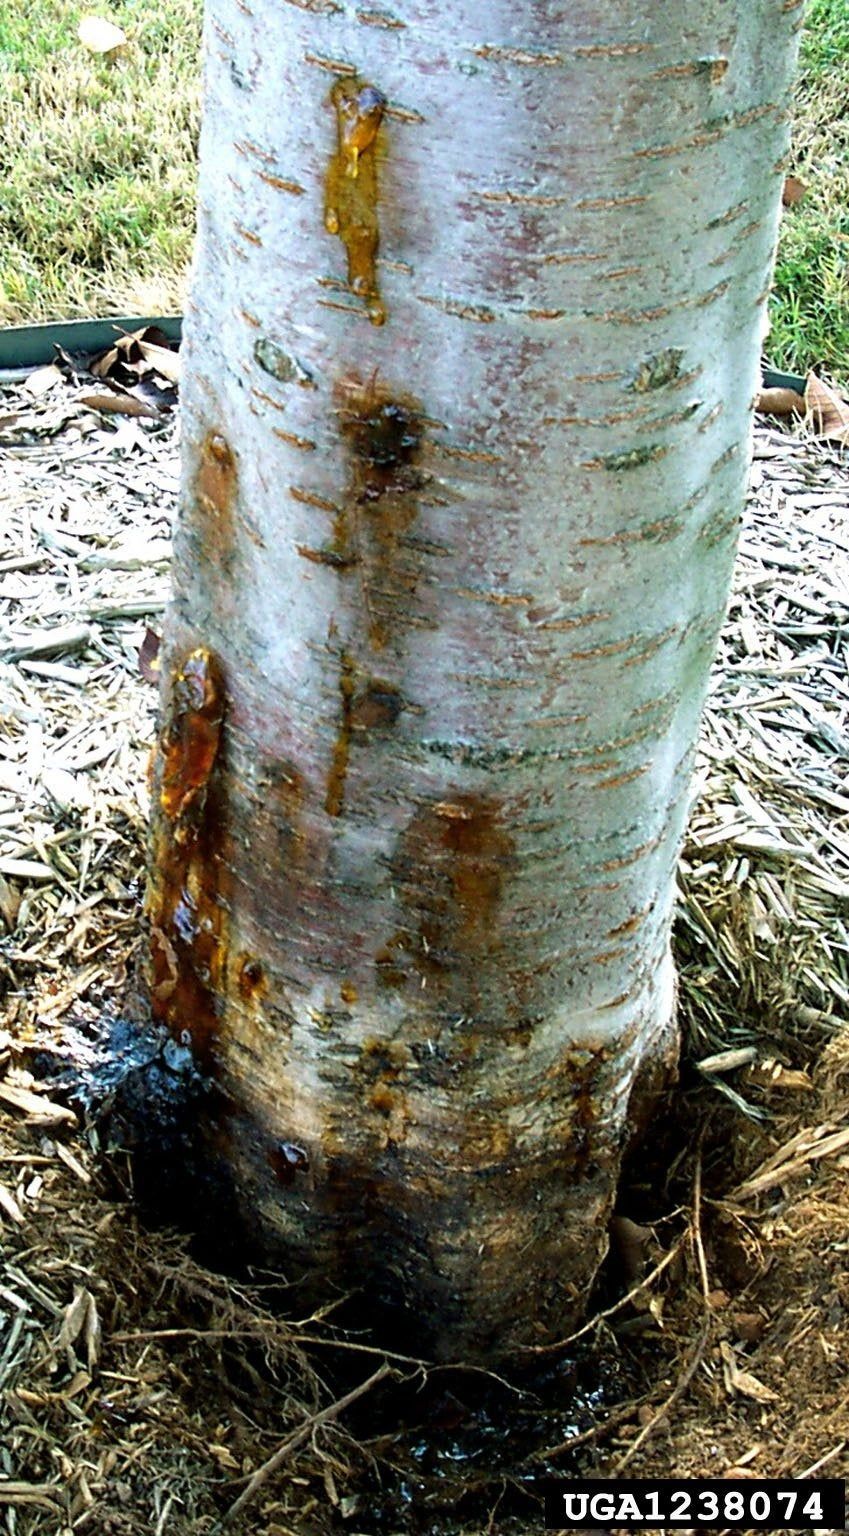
469,370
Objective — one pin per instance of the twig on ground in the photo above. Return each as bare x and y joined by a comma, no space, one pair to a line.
597,1432
823,1460
600,1317
674,1397
696,1226
297,1438
695,1233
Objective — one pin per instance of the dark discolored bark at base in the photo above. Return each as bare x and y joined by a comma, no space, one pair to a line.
395,1244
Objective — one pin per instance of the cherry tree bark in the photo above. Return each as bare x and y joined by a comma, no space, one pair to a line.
470,362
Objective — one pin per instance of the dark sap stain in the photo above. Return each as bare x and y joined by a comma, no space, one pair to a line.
383,435
364,707
381,1058
376,706
379,1070
252,981
187,899
351,191
575,1083
287,1160
389,961
327,556
520,1034
335,797
580,1080
449,872
283,782
215,486
486,1140
383,1100
281,787
181,1130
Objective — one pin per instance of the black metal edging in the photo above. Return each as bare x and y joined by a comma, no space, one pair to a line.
772,379
29,346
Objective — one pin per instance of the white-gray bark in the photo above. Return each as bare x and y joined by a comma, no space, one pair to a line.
470,364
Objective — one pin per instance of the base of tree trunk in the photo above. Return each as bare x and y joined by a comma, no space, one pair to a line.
398,1250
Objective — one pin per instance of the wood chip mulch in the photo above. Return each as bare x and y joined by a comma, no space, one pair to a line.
126,1370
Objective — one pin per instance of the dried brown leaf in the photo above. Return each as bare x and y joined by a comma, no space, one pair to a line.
793,192
70,365
9,1206
102,365
155,336
738,1380
119,405
149,656
826,411
779,402
224,1457
630,1242
749,1326
10,901
73,1320
42,379
78,1383
92,1333
162,397
129,343
163,360
124,361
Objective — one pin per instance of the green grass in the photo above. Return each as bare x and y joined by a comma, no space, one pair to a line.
97,170
809,309
97,159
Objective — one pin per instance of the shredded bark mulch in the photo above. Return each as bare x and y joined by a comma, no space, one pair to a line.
143,1391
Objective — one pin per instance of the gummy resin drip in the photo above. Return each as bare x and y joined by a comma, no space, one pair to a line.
186,902
351,201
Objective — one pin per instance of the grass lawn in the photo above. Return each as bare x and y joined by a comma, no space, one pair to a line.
97,165
809,309
97,159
